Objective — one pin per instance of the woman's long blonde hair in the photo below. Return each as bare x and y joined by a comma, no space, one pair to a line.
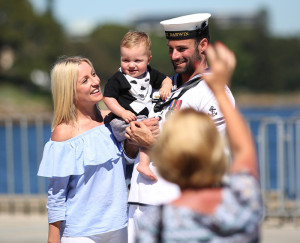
190,151
64,77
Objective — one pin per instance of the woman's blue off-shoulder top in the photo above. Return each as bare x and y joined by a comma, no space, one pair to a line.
87,190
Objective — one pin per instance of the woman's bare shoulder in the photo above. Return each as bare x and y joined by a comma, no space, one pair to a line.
62,132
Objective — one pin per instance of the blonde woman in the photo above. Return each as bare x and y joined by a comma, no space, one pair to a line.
87,194
209,209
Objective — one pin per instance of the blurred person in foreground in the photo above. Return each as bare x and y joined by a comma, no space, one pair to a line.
85,164
188,38
209,209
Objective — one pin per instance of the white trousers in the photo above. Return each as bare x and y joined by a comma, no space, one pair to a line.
135,213
117,236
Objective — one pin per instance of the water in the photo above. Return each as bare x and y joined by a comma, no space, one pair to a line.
29,182
284,112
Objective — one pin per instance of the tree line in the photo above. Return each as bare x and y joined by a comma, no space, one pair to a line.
265,63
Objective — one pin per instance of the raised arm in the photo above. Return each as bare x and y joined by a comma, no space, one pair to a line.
222,62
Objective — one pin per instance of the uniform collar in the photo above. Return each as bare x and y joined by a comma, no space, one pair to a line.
178,78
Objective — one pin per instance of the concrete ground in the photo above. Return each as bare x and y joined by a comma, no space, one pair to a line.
275,231
22,228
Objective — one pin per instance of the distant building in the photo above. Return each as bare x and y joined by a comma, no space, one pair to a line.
249,20
151,23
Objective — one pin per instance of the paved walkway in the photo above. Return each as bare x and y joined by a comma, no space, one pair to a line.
275,232
34,228
23,228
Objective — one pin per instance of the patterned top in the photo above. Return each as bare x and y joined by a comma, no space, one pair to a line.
134,94
236,219
87,190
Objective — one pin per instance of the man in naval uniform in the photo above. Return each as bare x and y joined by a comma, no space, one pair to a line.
188,39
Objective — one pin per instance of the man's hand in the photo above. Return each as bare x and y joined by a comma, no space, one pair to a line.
152,124
143,134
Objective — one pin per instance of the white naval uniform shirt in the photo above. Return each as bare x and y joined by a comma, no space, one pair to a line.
200,97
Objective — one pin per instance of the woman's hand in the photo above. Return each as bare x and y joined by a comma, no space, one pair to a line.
222,64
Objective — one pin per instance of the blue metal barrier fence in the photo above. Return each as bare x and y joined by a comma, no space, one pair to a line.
22,139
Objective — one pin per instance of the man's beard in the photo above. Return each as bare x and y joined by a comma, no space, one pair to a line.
190,64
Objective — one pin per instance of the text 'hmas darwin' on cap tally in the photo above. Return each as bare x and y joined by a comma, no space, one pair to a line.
186,27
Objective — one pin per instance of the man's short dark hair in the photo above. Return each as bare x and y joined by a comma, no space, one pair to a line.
204,33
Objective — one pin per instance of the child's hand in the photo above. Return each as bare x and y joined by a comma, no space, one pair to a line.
165,92
128,116
166,87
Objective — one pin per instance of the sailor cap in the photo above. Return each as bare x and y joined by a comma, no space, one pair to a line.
186,27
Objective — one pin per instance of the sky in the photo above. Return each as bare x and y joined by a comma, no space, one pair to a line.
81,16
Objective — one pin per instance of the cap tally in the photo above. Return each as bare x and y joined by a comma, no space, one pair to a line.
186,27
